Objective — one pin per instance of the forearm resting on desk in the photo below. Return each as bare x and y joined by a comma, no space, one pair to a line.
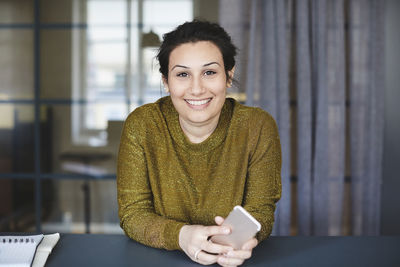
149,228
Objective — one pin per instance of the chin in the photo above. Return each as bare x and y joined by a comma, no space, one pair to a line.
199,119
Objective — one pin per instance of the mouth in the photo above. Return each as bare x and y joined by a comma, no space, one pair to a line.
198,104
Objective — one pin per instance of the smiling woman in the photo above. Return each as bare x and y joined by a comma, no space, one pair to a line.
197,84
186,160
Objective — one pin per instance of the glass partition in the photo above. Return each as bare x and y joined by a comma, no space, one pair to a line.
70,72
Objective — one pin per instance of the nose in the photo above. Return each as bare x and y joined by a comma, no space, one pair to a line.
197,87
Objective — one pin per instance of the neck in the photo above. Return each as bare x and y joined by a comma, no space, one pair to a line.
197,133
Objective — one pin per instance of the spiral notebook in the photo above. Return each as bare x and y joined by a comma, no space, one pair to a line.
21,251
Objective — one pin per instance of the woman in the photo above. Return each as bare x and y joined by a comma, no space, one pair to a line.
186,160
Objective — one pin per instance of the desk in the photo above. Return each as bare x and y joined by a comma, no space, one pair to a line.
118,250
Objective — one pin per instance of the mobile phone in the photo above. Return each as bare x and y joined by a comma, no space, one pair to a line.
243,227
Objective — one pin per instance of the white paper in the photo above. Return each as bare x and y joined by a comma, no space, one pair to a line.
44,249
18,251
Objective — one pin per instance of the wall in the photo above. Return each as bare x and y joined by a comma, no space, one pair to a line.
206,10
390,213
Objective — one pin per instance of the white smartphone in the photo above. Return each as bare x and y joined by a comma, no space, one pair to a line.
243,227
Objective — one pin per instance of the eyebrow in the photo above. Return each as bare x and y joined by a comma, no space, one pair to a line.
208,64
205,65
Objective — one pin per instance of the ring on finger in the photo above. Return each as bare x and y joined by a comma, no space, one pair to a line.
196,254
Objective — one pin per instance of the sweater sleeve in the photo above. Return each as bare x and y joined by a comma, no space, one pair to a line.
137,214
263,184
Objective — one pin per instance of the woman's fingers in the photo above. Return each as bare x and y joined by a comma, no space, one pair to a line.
206,258
237,257
216,230
249,245
211,251
234,258
219,220
194,240
239,254
225,261
211,247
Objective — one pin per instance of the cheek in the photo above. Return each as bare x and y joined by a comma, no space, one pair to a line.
177,89
218,86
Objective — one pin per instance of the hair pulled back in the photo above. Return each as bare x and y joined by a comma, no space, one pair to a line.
195,31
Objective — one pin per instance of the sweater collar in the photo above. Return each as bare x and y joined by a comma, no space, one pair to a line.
214,140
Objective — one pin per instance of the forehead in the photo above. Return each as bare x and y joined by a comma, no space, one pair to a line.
193,54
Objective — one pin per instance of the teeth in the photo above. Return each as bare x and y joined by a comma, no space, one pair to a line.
198,102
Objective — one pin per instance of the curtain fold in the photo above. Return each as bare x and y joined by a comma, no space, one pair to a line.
366,113
304,116
316,66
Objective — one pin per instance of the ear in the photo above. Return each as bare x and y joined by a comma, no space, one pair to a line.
165,83
230,74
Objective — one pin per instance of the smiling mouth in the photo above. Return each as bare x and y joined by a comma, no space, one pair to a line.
198,102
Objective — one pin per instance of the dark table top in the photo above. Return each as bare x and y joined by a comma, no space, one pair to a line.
118,250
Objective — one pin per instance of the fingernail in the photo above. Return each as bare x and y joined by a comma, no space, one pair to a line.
229,254
226,231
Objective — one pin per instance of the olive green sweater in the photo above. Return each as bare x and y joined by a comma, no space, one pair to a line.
164,181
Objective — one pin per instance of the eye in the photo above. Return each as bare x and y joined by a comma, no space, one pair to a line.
210,72
182,74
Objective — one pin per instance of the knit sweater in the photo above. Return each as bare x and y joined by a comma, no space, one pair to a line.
164,181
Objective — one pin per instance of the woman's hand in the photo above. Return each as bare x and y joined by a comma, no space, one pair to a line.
193,239
236,257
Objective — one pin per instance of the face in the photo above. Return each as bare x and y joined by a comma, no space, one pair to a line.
197,82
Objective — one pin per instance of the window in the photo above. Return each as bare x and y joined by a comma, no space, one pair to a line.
114,66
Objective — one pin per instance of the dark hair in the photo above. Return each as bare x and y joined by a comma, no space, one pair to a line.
193,32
